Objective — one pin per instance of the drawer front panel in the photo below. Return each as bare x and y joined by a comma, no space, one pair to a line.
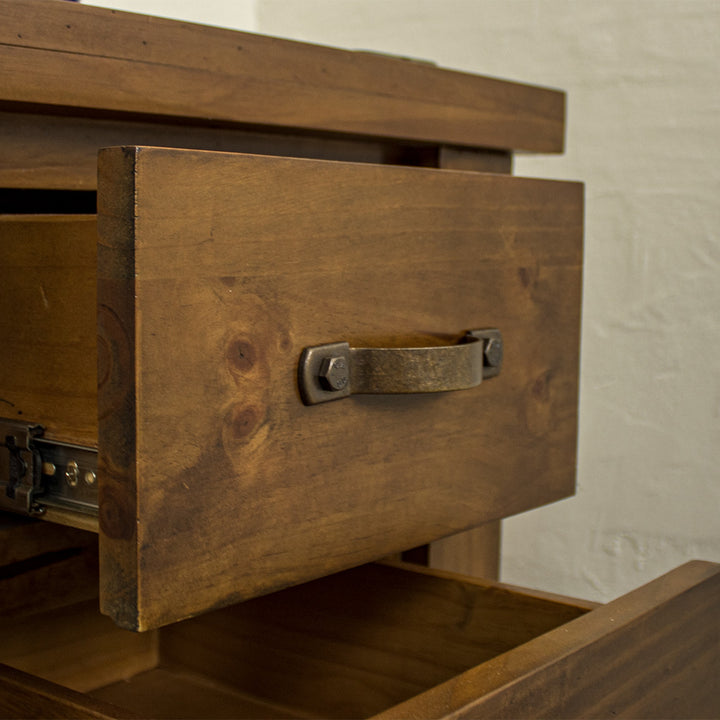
216,270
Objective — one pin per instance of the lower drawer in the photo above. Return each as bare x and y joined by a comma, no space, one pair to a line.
384,641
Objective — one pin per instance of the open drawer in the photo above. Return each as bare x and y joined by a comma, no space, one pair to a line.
215,272
383,641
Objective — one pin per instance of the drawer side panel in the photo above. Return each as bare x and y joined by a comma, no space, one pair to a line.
652,653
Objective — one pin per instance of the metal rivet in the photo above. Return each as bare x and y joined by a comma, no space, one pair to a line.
493,352
334,373
90,477
72,473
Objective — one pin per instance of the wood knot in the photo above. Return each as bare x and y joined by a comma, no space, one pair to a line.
241,356
528,276
115,515
539,404
242,421
541,387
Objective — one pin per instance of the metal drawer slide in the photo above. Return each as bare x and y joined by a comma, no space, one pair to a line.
37,473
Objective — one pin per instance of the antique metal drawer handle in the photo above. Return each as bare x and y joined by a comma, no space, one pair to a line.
334,371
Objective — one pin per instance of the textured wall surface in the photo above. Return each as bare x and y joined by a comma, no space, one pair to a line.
236,14
643,105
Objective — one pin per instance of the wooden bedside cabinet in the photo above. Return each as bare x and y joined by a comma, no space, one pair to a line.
322,198
314,322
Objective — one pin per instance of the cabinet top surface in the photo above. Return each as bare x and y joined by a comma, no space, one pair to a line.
62,57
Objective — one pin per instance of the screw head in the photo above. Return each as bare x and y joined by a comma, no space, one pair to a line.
493,352
72,474
334,375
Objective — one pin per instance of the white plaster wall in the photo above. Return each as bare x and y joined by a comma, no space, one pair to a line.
235,14
643,86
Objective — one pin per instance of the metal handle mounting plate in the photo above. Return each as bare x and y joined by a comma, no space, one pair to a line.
336,370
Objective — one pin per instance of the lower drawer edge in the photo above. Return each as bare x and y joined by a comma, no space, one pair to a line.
388,641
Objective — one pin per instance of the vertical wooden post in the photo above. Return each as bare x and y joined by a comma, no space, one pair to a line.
474,552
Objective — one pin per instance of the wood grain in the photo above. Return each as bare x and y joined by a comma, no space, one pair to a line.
343,646
474,552
72,518
212,291
48,367
44,566
48,581
352,644
76,647
171,693
455,158
116,402
60,151
396,641
491,585
101,60
22,538
654,653
26,696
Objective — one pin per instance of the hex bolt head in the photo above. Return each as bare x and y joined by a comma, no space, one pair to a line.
334,375
493,352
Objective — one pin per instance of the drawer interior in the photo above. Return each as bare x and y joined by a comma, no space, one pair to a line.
349,645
